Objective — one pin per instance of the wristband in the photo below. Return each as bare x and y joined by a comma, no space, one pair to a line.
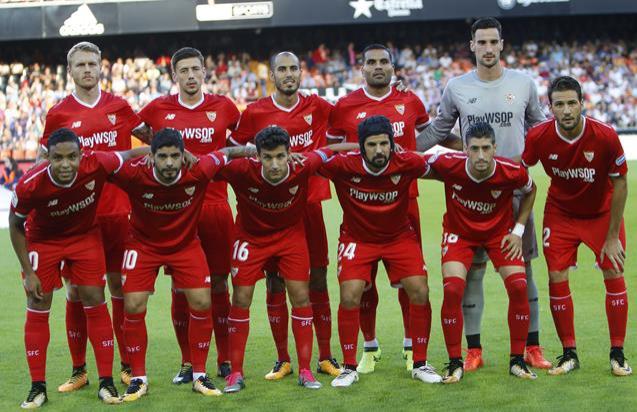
518,230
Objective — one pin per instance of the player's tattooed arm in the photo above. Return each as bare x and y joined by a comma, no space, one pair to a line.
612,248
234,152
144,133
18,241
511,244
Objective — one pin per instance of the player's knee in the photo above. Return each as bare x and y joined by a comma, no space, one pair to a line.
350,299
91,295
134,306
300,299
561,276
418,295
72,294
40,304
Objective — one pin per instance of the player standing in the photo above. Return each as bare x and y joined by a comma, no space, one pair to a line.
508,101
407,115
585,204
58,201
373,190
203,120
102,122
479,195
305,119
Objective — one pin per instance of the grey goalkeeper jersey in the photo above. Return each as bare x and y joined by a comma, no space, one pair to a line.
509,104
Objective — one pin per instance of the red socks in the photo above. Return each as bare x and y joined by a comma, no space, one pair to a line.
515,285
220,310
369,303
100,333
199,333
348,324
303,336
278,317
616,310
76,332
563,312
322,322
403,299
180,315
238,330
36,341
136,341
420,324
117,307
451,315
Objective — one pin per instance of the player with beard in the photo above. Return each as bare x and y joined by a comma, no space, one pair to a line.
305,119
507,100
203,120
585,204
407,115
102,122
373,189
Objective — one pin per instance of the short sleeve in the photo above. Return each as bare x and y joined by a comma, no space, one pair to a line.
244,132
126,173
231,170
436,162
111,162
335,129
419,166
523,180
530,156
51,124
232,114
618,166
330,167
211,163
422,117
147,114
126,113
21,203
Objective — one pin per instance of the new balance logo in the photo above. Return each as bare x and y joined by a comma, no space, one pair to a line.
148,195
361,115
77,124
553,156
170,116
52,202
355,179
472,100
457,187
253,189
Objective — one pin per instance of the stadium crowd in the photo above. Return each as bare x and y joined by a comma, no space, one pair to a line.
606,71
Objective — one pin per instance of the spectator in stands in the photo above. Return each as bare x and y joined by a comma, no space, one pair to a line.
10,173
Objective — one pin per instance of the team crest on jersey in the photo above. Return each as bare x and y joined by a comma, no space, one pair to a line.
112,118
189,190
294,189
395,178
355,179
90,185
589,156
496,193
148,196
308,119
211,116
51,203
253,189
400,108
509,98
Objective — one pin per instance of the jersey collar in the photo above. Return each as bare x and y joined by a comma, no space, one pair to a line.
368,170
166,184
579,136
285,109
48,171
466,168
378,99
188,106
280,181
90,106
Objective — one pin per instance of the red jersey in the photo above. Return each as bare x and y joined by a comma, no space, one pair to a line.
106,125
204,127
305,122
580,169
54,211
165,217
479,209
375,205
404,110
264,208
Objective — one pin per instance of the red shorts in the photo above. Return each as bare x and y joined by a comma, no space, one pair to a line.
562,235
316,235
457,249
114,234
141,264
83,256
215,229
402,258
413,213
286,250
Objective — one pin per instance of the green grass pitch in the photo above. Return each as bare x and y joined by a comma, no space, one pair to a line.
590,388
